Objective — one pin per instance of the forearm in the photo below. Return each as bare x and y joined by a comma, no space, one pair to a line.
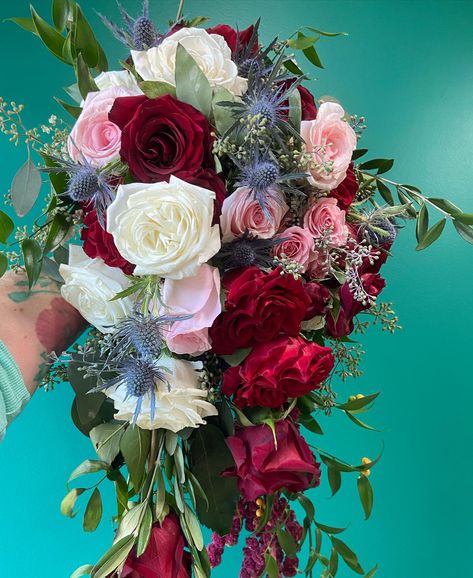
35,323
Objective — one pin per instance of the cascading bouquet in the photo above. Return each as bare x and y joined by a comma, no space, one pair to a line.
231,242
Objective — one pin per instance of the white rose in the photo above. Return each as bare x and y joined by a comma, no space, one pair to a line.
89,286
163,228
210,51
117,78
178,404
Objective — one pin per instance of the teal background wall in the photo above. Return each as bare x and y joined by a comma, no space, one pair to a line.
406,66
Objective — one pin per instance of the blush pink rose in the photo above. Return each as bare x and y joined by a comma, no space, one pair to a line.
241,212
198,297
331,141
326,216
94,135
317,267
297,245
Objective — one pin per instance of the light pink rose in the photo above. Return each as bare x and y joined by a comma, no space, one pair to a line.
297,246
241,212
331,140
94,135
198,296
325,215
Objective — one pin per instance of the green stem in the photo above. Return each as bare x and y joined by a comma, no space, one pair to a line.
180,10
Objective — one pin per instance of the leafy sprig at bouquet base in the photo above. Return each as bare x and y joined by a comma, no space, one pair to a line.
220,229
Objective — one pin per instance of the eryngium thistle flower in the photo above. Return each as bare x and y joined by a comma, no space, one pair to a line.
247,251
83,185
379,231
137,34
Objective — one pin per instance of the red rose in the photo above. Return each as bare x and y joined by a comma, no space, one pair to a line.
262,469
164,555
276,371
99,243
208,179
308,106
259,307
320,298
346,190
235,39
162,137
373,284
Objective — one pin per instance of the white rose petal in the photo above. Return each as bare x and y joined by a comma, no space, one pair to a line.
89,286
163,228
210,51
116,78
178,404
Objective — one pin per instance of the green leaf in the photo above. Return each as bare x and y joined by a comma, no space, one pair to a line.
156,88
307,505
359,423
88,467
58,180
6,227
385,192
85,81
3,264
312,56
161,494
432,235
445,205
131,522
329,529
25,188
287,542
192,85
209,456
365,491
51,269
292,67
334,479
49,35
32,256
272,567
372,572
311,424
381,165
322,33
465,218
358,153
60,10
145,532
464,231
74,111
194,527
58,231
106,440
422,223
134,446
84,40
112,559
359,402
25,23
223,116
68,503
171,440
236,358
295,109
302,41
93,512
84,570
349,557
333,565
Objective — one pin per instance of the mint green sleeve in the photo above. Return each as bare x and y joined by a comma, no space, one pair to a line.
13,393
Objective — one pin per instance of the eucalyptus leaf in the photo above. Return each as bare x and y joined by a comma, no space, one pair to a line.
134,446
145,532
114,558
155,88
365,491
88,467
69,501
295,109
192,85
432,235
106,439
446,206
25,188
6,227
131,521
223,116
93,512
84,570
161,494
194,527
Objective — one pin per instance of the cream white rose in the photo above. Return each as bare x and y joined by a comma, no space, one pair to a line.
163,228
178,404
116,78
210,51
90,285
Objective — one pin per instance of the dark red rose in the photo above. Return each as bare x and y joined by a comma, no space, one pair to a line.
162,137
235,39
259,307
373,284
277,371
262,469
346,190
320,298
99,243
308,106
208,179
164,555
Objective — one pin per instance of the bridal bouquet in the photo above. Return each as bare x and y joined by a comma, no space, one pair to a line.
213,222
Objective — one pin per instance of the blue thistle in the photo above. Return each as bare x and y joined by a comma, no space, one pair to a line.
137,34
140,378
247,251
379,231
86,184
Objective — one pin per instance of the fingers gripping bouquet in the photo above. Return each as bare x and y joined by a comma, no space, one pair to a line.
230,242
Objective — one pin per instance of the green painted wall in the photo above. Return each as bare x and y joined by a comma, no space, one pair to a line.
406,66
